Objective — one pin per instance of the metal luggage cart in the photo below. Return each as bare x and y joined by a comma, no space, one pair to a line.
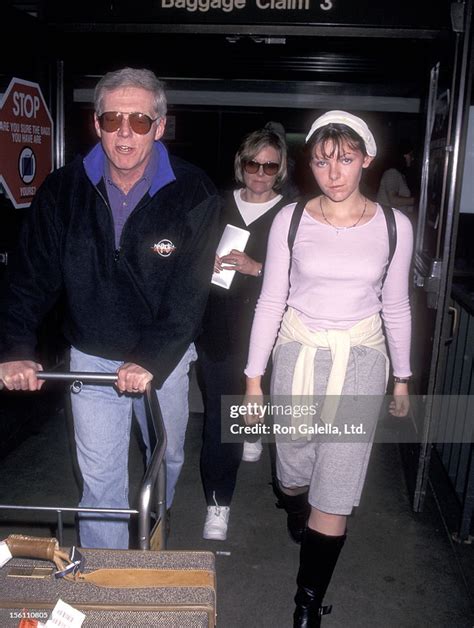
152,494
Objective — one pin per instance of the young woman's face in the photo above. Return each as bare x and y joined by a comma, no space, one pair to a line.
339,175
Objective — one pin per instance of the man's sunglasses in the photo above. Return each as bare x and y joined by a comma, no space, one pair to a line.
251,166
111,121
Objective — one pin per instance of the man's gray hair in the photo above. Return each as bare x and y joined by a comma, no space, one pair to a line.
131,77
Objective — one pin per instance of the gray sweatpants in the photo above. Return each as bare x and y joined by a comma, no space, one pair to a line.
333,468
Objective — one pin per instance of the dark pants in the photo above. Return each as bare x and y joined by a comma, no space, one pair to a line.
219,461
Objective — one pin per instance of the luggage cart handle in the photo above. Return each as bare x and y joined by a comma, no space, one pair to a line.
77,378
155,474
81,376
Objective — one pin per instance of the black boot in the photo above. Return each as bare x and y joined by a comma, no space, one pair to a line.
318,557
297,509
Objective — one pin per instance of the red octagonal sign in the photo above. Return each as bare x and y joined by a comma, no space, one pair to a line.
26,141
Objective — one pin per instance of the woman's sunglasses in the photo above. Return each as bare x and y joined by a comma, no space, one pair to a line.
111,121
251,166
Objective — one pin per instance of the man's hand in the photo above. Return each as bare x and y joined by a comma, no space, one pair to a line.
132,378
21,375
401,401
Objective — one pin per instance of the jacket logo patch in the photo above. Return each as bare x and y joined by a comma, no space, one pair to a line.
164,248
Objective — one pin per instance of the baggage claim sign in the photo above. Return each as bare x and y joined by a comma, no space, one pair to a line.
26,141
424,14
228,6
247,7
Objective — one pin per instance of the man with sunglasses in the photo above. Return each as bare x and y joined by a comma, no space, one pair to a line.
128,234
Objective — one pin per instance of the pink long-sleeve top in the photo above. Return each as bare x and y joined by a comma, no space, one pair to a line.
335,281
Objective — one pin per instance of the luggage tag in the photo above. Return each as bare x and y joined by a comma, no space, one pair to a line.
76,564
65,616
5,554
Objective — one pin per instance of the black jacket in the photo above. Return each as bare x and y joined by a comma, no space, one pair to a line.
229,313
132,304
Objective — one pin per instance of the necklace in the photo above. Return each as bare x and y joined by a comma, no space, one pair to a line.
342,228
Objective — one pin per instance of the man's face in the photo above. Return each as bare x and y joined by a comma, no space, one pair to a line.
129,152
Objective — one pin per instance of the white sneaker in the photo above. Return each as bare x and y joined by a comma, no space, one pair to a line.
217,520
252,451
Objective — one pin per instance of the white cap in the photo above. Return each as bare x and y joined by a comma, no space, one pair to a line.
355,123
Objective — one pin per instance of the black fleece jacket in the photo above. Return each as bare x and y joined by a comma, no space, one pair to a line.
132,304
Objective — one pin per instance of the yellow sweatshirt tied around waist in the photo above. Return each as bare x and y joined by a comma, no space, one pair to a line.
367,332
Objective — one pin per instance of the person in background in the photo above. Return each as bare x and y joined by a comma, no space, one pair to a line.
289,189
393,188
128,235
325,312
260,171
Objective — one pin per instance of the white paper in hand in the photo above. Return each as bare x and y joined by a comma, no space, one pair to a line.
232,238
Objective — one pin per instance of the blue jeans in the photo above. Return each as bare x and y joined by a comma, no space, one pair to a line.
102,423
174,404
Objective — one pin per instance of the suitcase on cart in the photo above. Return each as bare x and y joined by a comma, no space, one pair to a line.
184,598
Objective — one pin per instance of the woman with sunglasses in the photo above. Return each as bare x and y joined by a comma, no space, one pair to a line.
323,303
259,169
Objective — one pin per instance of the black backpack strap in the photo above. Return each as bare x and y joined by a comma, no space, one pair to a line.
294,224
392,235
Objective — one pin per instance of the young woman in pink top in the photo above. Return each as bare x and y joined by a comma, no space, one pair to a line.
324,303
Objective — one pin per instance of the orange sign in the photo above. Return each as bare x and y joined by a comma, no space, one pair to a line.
26,141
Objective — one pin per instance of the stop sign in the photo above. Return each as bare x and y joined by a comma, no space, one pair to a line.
26,141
